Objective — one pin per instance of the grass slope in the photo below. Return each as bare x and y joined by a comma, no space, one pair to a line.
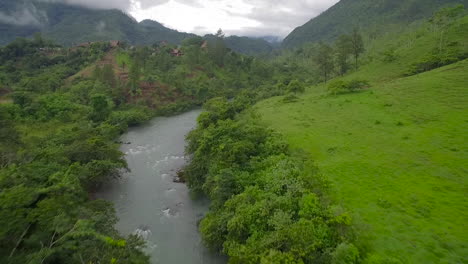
395,153
397,158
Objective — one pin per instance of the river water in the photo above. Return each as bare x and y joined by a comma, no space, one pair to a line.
149,203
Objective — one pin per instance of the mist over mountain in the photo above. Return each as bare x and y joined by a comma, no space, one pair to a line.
73,22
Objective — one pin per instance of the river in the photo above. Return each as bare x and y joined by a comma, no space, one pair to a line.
150,203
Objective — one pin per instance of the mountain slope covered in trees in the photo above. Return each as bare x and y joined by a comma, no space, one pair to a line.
372,16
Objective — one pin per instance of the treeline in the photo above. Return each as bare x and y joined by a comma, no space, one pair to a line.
57,145
267,204
58,134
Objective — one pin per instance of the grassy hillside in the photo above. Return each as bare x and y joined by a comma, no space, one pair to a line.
395,153
373,16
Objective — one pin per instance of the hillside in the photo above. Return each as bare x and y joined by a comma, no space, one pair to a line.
373,17
71,25
395,153
250,46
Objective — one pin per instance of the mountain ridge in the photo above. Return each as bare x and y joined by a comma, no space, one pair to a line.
70,25
374,16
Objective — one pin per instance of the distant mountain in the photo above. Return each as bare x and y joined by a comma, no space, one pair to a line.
71,25
250,46
370,15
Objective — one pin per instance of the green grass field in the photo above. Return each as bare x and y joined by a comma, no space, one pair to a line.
397,157
396,153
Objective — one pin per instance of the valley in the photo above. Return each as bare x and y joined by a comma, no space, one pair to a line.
136,143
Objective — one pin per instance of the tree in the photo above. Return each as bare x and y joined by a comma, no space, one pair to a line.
296,87
324,60
101,108
343,50
444,18
357,45
218,48
134,76
9,138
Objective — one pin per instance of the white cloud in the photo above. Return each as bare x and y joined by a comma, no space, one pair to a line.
240,17
26,14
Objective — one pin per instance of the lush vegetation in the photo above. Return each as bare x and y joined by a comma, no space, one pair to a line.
62,110
266,201
369,167
376,17
393,150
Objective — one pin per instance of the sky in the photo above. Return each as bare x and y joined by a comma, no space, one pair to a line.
234,17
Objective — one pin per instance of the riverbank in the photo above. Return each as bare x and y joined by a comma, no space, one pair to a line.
147,198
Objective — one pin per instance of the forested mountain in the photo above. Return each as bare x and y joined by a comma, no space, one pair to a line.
372,16
245,45
71,25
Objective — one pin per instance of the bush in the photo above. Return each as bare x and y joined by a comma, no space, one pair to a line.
296,87
389,55
345,253
340,86
437,59
129,118
290,98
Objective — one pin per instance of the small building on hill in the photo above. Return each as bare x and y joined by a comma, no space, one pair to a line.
177,52
114,43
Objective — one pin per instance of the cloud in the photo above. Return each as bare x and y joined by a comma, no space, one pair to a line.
239,17
235,17
277,17
125,5
98,4
26,14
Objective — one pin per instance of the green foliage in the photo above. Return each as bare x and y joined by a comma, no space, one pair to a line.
341,86
217,48
343,49
263,208
389,55
357,46
296,87
290,98
374,18
345,254
129,118
101,108
324,59
390,191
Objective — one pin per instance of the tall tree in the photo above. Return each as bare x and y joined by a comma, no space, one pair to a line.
444,18
218,48
324,60
343,51
357,45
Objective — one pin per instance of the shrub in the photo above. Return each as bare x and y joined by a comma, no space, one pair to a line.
345,253
296,87
436,59
128,118
389,55
290,98
340,86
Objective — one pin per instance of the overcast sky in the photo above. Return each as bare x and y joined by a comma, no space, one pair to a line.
239,17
